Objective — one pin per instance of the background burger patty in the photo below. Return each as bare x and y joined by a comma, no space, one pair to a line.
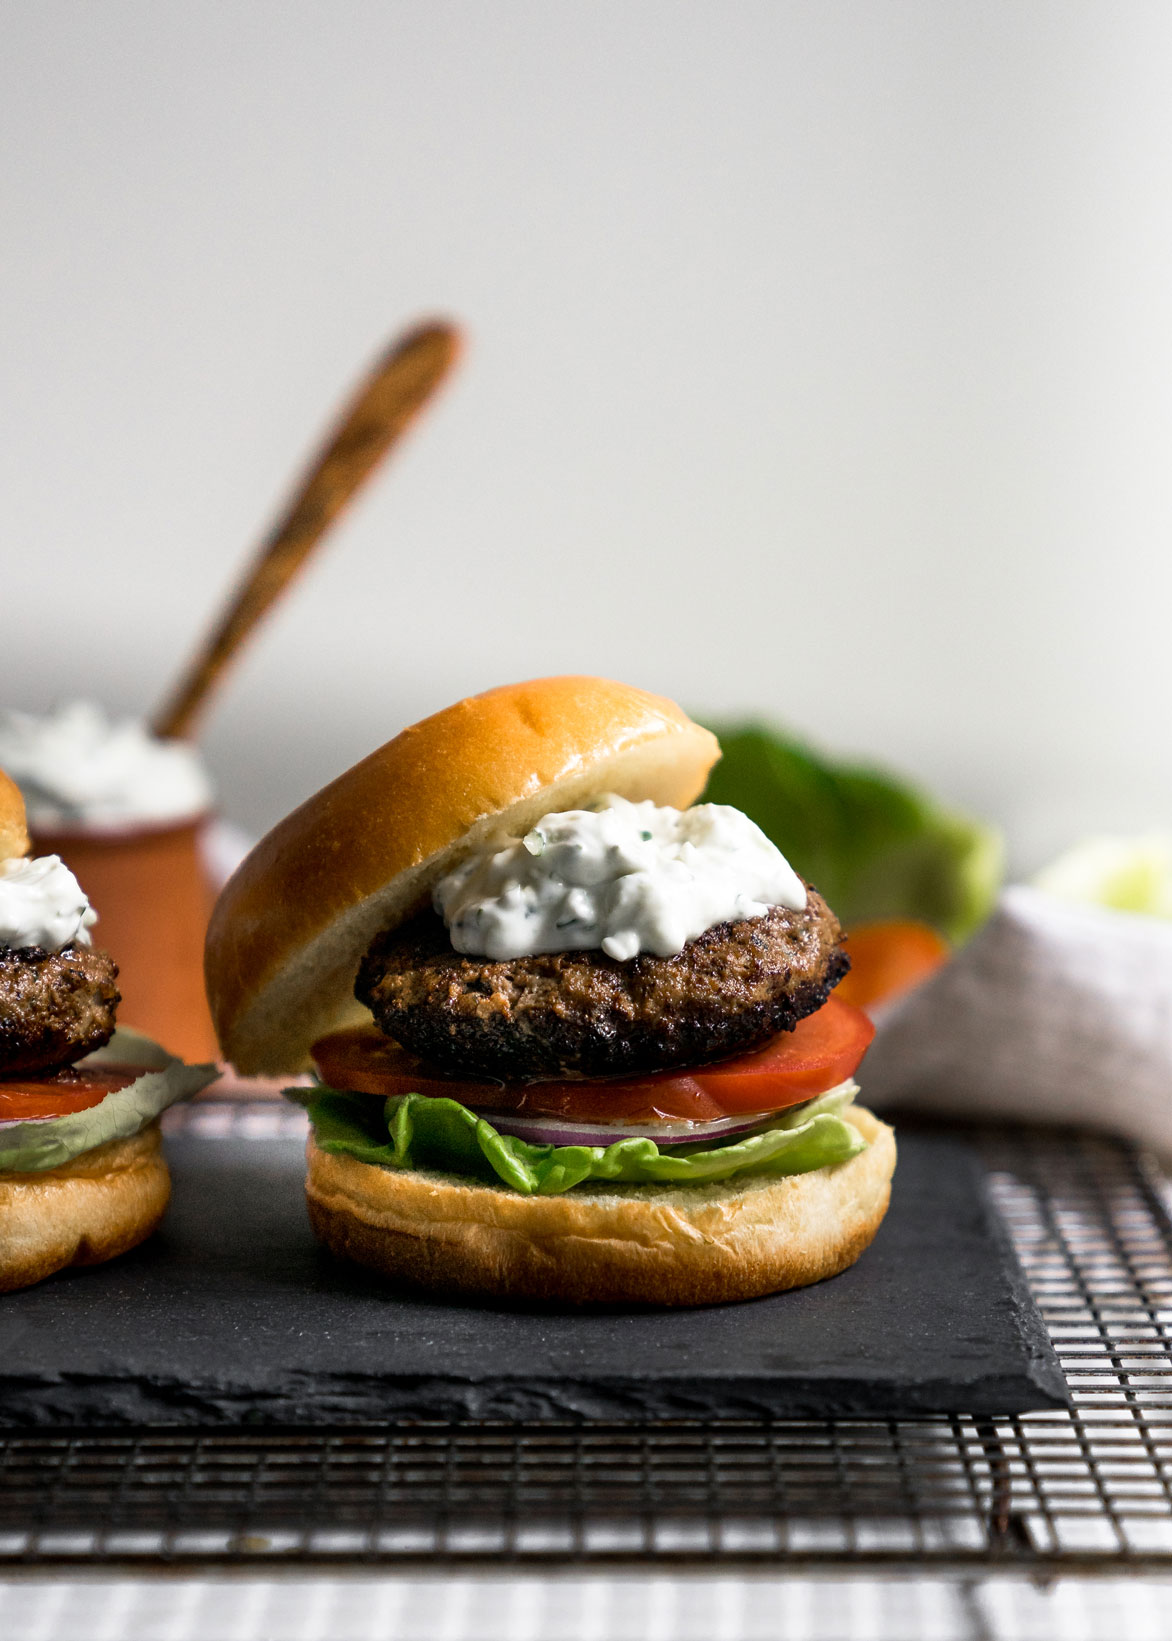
585,1014
54,1006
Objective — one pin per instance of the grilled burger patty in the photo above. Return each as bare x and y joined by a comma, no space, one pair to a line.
54,1006
585,1014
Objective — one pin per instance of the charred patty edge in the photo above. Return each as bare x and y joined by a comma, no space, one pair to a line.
55,1007
583,1014
498,1053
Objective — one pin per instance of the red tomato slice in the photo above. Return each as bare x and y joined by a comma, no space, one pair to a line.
364,1060
888,959
822,1051
74,1089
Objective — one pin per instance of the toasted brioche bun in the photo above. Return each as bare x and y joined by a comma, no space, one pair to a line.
655,1245
13,827
87,1211
292,925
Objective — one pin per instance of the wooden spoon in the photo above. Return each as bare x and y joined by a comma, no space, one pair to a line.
379,414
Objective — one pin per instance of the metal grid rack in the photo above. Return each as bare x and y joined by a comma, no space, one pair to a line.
1084,1491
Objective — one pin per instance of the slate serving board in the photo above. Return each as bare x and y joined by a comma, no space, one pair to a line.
232,1314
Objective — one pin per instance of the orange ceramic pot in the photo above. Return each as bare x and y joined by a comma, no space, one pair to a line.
151,891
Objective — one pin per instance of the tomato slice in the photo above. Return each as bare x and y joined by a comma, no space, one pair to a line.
74,1089
888,959
822,1051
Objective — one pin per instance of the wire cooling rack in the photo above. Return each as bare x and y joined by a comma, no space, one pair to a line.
1089,1490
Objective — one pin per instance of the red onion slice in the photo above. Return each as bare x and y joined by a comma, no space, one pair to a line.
550,1131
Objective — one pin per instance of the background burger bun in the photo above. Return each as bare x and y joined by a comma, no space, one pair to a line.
101,1204
654,1245
293,923
13,830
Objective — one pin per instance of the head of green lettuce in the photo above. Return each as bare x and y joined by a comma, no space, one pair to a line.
876,846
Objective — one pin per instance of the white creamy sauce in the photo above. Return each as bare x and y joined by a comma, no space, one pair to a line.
42,904
77,766
626,877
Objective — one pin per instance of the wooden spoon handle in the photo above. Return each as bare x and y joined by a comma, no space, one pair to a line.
380,412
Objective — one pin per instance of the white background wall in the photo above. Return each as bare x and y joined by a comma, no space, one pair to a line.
820,365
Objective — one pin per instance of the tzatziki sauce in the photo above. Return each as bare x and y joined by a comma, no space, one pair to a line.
624,877
42,904
76,766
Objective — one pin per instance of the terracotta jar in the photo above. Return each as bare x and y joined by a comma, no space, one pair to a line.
150,888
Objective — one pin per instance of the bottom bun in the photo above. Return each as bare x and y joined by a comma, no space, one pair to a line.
89,1210
655,1245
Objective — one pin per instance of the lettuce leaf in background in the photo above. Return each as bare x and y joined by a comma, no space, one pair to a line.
39,1143
424,1131
875,846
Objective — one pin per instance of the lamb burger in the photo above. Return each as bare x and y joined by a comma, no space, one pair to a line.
575,1039
82,1174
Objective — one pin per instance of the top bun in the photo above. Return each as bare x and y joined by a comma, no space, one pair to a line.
13,828
292,925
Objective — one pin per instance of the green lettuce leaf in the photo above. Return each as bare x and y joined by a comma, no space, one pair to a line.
424,1131
875,846
48,1142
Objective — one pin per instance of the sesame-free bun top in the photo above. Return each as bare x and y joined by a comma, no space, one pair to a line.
13,828
292,925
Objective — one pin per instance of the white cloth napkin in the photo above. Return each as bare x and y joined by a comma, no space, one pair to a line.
1053,1013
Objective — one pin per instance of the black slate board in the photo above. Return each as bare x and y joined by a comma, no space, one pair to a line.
233,1314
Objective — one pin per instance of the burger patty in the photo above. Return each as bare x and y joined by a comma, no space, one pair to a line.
54,1006
584,1014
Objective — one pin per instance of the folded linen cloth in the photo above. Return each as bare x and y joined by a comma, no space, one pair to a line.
1053,1013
